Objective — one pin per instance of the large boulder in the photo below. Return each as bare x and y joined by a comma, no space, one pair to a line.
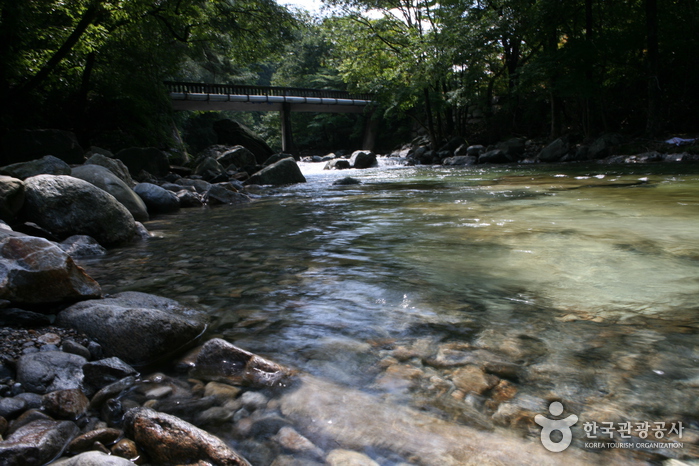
47,165
106,180
136,327
115,166
68,206
150,159
285,171
48,371
21,146
209,168
225,193
11,197
554,151
233,133
158,200
494,156
363,159
34,270
460,160
337,164
170,440
238,156
37,443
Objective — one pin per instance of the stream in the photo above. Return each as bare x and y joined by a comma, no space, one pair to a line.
476,296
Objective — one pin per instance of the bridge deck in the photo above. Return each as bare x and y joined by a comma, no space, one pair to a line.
196,96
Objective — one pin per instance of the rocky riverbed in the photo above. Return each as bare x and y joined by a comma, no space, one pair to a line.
88,378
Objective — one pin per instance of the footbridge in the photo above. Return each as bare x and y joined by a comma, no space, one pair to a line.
243,98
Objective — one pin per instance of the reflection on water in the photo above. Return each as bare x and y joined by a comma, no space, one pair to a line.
478,294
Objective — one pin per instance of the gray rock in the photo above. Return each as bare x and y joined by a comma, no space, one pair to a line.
200,186
189,199
221,361
68,206
286,171
340,457
136,327
32,400
99,374
554,151
50,371
460,160
337,164
69,346
209,168
36,443
93,458
514,148
35,270
11,197
115,166
149,159
47,165
22,318
346,181
157,199
233,133
168,439
82,246
11,407
238,156
494,156
225,193
276,158
363,159
475,150
104,179
21,146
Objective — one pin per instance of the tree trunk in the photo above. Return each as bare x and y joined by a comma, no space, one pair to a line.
430,119
653,63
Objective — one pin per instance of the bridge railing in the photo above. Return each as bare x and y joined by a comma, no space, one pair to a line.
238,89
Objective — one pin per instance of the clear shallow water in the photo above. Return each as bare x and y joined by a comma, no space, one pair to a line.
583,280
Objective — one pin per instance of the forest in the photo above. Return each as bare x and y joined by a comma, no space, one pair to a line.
483,70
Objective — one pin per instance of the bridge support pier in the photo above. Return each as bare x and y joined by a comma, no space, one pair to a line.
371,126
287,137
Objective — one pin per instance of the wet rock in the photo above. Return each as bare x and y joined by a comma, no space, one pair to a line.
341,457
50,371
99,374
66,404
189,199
93,458
68,206
471,379
84,442
47,165
346,181
274,159
286,171
115,166
350,419
554,151
460,160
34,270
11,197
11,407
494,156
136,327
238,156
110,391
222,392
253,400
200,186
126,448
157,199
36,443
225,193
221,361
82,246
149,159
292,441
232,133
363,159
168,439
214,416
69,346
337,164
209,168
104,179
399,377
33,400
286,460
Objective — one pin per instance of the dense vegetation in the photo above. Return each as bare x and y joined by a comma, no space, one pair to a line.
484,69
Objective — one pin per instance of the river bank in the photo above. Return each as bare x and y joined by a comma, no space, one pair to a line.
460,368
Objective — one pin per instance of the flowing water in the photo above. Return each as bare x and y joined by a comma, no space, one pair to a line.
570,283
